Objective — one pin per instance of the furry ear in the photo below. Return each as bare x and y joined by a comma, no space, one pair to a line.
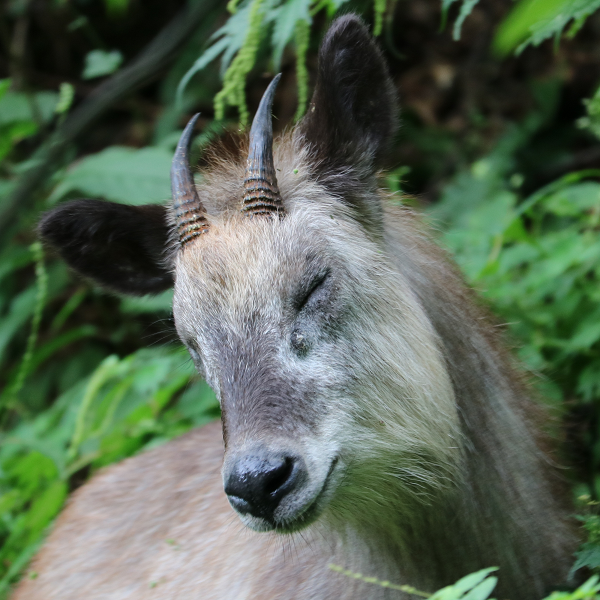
352,117
122,248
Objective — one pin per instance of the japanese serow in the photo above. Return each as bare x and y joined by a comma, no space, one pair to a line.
371,417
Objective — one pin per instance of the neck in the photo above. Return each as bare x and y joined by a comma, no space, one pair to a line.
506,511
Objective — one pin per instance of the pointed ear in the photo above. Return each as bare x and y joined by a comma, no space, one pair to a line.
352,116
122,248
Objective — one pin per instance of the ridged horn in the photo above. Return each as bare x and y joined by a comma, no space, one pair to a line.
190,216
261,193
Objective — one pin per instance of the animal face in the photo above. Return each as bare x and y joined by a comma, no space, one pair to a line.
294,323
329,374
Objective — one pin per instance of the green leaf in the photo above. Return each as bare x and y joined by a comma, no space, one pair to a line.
476,586
202,61
465,10
48,350
587,591
66,95
588,556
285,19
148,304
28,528
6,188
20,311
587,332
44,508
533,21
483,590
446,4
4,87
198,403
591,121
470,581
591,585
330,6
12,258
99,63
120,174
230,39
588,384
17,564
18,106
572,200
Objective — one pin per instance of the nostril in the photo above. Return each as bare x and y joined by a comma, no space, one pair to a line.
276,479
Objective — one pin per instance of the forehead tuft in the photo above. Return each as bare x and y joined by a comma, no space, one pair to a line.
221,188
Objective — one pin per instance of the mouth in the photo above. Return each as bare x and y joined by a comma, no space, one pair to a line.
312,511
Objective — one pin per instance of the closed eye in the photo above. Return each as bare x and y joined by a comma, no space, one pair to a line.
195,355
316,284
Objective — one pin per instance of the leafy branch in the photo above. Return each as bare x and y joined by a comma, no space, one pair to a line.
239,40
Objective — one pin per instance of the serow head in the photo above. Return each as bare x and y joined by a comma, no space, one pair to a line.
325,365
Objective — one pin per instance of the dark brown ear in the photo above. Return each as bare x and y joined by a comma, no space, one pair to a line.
352,117
122,248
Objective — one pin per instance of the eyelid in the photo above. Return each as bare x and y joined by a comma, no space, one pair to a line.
193,350
196,358
316,283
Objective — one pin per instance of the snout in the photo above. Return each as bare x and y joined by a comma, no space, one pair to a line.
277,488
259,482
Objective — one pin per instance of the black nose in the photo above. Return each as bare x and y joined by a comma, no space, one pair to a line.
256,483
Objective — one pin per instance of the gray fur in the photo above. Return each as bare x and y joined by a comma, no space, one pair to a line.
407,387
341,334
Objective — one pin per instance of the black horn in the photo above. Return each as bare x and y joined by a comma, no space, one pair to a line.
190,216
261,193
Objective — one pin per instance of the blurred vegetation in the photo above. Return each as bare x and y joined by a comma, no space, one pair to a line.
499,145
475,586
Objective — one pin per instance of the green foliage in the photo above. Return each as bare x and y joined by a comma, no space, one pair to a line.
589,590
80,387
21,115
538,261
99,63
466,9
241,36
588,554
42,290
302,41
69,407
73,408
476,586
239,40
533,21
125,405
116,8
379,11
287,18
120,174
530,22
234,80
591,121
20,107
65,98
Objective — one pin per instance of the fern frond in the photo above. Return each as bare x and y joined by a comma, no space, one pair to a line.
302,42
379,9
234,81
